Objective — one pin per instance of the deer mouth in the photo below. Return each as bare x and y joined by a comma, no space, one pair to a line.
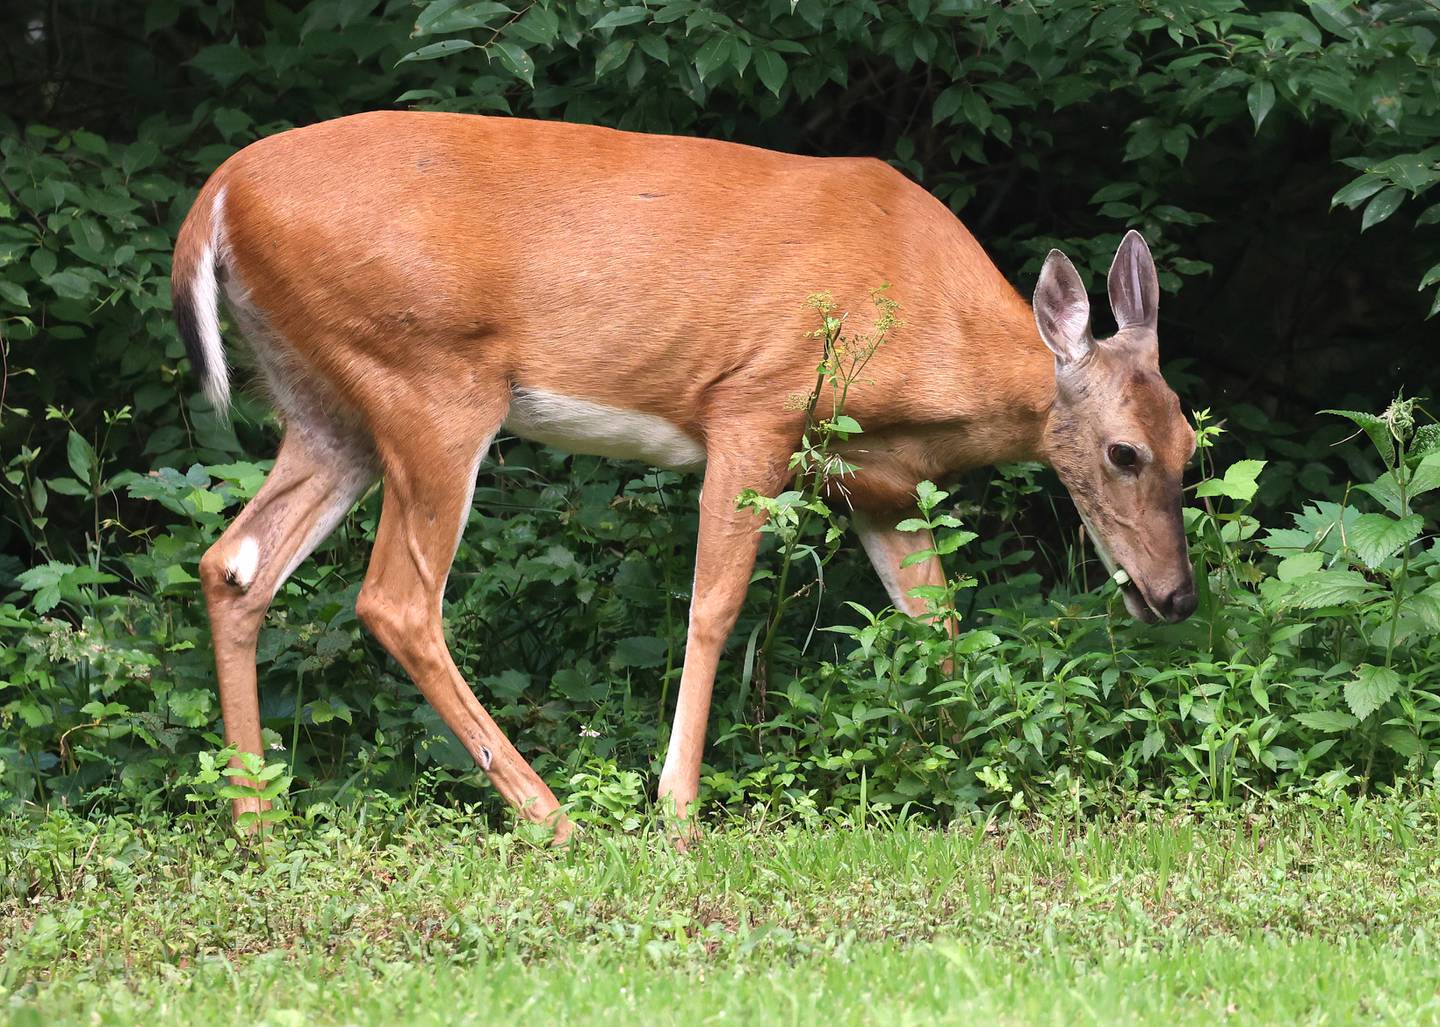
1136,602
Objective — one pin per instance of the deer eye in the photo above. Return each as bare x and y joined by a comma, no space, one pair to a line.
1122,455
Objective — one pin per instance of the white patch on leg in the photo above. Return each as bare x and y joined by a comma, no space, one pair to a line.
583,426
244,565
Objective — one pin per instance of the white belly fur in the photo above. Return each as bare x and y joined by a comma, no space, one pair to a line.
580,426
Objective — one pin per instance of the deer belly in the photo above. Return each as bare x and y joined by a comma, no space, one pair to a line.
582,426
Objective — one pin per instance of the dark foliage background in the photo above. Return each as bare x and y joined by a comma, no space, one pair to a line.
1276,155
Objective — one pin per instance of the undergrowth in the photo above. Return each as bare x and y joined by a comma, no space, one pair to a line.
1310,665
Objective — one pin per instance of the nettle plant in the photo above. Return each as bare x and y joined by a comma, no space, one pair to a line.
1370,585
1310,663
819,473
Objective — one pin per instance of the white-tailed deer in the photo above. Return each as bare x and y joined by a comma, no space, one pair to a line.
411,284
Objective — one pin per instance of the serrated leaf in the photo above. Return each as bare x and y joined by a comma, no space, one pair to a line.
934,593
1373,426
1300,565
1377,537
954,540
1384,491
1327,588
1371,689
1329,721
1424,606
1426,441
1239,483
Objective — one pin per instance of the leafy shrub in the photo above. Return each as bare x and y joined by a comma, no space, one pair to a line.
1221,131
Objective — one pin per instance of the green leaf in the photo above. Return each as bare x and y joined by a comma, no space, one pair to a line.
1299,565
612,56
931,593
14,294
1384,491
1260,99
516,61
953,541
1375,427
69,285
947,104
225,63
1377,537
640,651
847,425
81,457
1239,483
712,55
1327,588
772,69
1385,203
434,51
1426,441
1357,191
1371,689
438,19
1329,721
89,142
1430,278
622,16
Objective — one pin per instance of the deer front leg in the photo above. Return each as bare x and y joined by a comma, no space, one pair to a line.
724,559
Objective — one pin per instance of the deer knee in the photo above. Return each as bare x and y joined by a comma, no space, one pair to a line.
230,567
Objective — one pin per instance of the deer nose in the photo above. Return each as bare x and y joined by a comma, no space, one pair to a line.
1179,604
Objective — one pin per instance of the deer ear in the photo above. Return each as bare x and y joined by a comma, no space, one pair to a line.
1134,288
1062,310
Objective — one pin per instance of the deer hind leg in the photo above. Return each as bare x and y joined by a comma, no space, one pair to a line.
429,482
318,474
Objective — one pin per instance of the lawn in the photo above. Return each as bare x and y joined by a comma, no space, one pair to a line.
1296,915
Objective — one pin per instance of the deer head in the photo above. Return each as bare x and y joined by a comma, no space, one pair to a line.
1115,433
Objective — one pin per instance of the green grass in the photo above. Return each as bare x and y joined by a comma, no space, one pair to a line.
1297,916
